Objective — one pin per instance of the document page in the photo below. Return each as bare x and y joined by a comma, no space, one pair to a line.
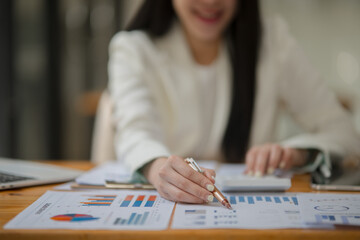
110,171
133,210
331,209
249,212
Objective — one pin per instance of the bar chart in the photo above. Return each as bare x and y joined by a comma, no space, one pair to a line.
138,201
249,211
141,210
333,219
135,219
99,200
252,200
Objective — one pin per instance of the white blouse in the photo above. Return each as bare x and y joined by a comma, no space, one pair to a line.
164,103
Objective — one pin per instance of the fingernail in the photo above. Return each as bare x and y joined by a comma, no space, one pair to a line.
213,177
210,187
270,170
258,174
210,198
282,165
250,173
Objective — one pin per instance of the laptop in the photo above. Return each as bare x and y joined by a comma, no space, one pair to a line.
19,173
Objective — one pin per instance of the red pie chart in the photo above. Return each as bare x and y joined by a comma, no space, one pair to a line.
73,217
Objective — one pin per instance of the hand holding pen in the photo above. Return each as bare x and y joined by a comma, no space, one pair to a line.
218,195
176,181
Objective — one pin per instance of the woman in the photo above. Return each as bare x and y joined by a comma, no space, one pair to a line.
204,79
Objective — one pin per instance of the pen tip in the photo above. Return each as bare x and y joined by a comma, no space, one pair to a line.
227,204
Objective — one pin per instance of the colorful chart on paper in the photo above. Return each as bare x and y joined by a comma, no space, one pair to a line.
88,210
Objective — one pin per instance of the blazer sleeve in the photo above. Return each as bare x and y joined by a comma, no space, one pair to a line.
139,136
328,126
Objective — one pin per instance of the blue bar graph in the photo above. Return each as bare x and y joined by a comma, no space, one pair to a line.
137,204
267,199
345,220
146,214
295,200
132,216
134,219
137,219
125,204
127,201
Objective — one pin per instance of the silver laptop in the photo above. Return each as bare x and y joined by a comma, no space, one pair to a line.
18,173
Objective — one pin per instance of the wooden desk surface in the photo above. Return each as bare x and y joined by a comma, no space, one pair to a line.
14,201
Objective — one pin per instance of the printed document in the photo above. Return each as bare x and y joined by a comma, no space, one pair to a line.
133,210
343,209
250,211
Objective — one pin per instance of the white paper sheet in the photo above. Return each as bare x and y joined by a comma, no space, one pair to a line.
331,209
250,211
231,177
133,210
110,171
118,172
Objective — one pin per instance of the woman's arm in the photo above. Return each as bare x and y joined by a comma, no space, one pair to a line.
139,132
328,128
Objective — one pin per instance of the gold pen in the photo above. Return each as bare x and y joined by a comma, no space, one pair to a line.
217,194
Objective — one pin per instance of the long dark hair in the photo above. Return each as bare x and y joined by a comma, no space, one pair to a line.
243,37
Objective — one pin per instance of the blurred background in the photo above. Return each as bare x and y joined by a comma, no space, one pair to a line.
53,65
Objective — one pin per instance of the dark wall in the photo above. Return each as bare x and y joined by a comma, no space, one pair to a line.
6,88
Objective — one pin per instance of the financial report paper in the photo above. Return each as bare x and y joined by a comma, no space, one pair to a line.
250,211
133,210
324,209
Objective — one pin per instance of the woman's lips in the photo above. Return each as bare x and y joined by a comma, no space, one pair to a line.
208,17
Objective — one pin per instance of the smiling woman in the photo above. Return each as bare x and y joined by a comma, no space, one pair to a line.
204,25
205,79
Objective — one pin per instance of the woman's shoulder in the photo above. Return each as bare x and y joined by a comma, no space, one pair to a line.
275,32
134,41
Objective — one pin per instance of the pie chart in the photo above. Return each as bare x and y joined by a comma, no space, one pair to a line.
73,217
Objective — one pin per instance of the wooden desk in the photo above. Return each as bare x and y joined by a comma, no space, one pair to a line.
14,201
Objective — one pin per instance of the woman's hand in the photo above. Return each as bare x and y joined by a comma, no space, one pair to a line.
264,159
175,180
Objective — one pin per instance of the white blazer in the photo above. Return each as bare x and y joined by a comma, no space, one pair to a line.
155,95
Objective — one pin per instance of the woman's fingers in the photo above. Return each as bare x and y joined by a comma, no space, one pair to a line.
274,159
209,173
286,159
251,161
177,181
266,158
180,166
173,193
186,185
262,158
